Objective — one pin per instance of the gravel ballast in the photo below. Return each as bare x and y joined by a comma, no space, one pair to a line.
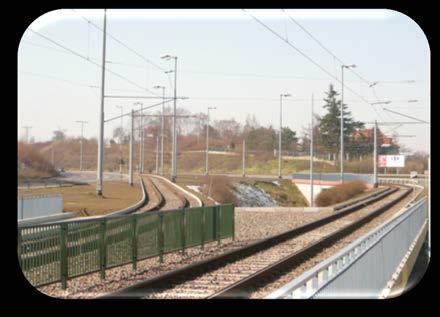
249,226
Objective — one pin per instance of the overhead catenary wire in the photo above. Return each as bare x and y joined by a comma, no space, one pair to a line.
307,57
90,61
122,43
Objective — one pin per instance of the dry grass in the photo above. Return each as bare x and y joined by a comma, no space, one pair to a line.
340,193
36,165
286,194
219,188
117,195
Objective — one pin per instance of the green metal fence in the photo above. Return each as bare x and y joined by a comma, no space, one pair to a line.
56,252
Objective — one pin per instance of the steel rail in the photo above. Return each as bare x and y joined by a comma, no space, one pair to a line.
241,289
165,280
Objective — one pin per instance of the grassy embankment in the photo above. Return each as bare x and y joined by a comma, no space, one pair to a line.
117,195
286,194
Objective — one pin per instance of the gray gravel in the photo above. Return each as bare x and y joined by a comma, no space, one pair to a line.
250,226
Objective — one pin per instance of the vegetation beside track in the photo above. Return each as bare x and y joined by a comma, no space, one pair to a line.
340,193
286,194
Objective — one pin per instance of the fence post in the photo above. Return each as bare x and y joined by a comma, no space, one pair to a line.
219,215
63,255
183,229
202,231
19,245
134,243
233,222
102,248
214,219
160,237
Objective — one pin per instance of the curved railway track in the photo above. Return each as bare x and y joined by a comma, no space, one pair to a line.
171,198
232,274
164,196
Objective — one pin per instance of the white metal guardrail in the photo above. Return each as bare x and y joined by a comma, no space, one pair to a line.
363,268
32,206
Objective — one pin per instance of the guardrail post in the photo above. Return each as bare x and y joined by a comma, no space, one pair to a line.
63,255
183,229
202,231
160,237
134,242
102,247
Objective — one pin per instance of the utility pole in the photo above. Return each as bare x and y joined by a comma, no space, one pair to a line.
27,132
101,116
207,141
121,138
174,174
53,155
157,154
375,155
141,137
81,144
279,135
311,161
244,158
162,128
130,159
174,157
342,119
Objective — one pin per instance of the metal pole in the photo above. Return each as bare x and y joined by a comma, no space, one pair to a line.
53,155
162,132
101,116
27,133
342,124
120,142
157,154
142,141
81,144
244,157
311,161
207,144
174,161
130,159
81,150
279,137
375,154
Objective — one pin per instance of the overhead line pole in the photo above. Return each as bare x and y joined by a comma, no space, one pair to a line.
280,132
244,157
27,132
342,119
207,141
375,155
121,138
130,159
101,116
81,144
311,160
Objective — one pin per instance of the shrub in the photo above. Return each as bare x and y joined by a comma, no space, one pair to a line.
339,193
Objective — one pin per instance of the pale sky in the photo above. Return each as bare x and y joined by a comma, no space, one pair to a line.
226,60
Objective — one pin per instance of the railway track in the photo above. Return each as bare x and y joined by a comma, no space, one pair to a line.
172,199
230,275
